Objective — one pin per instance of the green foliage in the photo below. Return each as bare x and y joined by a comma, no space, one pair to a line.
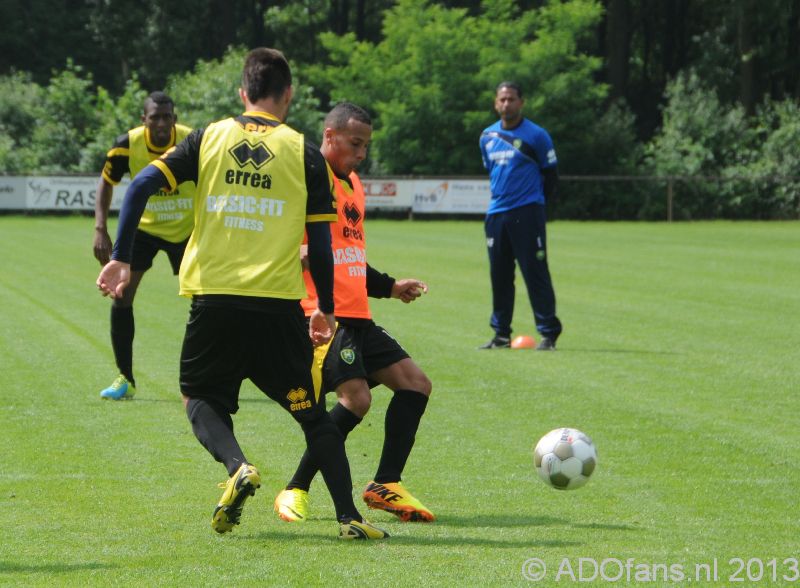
305,114
418,82
115,118
772,163
21,110
738,167
211,92
716,61
69,125
152,38
71,122
294,28
611,141
65,127
700,137
699,134
565,96
430,81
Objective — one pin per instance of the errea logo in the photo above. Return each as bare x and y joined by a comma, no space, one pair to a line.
352,214
255,154
297,399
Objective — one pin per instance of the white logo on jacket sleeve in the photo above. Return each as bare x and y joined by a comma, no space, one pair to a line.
501,157
551,157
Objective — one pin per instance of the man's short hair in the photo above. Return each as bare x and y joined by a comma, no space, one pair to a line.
340,114
158,98
509,84
266,74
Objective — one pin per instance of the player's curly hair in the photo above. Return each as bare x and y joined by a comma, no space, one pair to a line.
266,74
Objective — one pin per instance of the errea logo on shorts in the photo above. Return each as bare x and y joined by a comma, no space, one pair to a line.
297,398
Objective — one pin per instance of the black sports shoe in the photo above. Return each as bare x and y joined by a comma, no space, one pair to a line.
546,344
497,343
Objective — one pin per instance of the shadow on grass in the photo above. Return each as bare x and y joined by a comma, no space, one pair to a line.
483,541
510,521
419,537
610,350
606,527
144,399
444,532
417,534
478,521
7,567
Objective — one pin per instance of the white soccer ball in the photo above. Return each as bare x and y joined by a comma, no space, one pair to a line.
565,458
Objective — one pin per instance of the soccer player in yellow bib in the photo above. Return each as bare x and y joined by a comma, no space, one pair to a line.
259,186
165,226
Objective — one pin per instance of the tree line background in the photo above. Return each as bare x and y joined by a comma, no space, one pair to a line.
702,91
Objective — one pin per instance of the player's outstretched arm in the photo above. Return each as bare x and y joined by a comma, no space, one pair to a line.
146,182
102,241
113,278
408,289
116,274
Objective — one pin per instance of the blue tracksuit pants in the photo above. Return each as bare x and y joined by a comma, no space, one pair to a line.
519,235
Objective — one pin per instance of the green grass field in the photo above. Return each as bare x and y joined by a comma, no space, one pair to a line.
680,357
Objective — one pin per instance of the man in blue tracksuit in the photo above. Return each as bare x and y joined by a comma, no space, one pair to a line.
522,165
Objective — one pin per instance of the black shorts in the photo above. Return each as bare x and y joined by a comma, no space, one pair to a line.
146,246
224,345
356,352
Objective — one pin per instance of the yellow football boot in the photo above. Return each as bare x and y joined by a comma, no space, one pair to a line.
355,529
396,499
238,488
292,505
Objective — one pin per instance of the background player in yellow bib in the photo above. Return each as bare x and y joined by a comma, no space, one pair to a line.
260,186
165,225
362,354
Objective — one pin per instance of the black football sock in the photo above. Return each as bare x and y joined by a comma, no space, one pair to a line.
346,421
122,331
402,421
326,447
213,427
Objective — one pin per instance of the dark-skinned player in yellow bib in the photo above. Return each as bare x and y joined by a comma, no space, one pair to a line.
260,185
165,225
